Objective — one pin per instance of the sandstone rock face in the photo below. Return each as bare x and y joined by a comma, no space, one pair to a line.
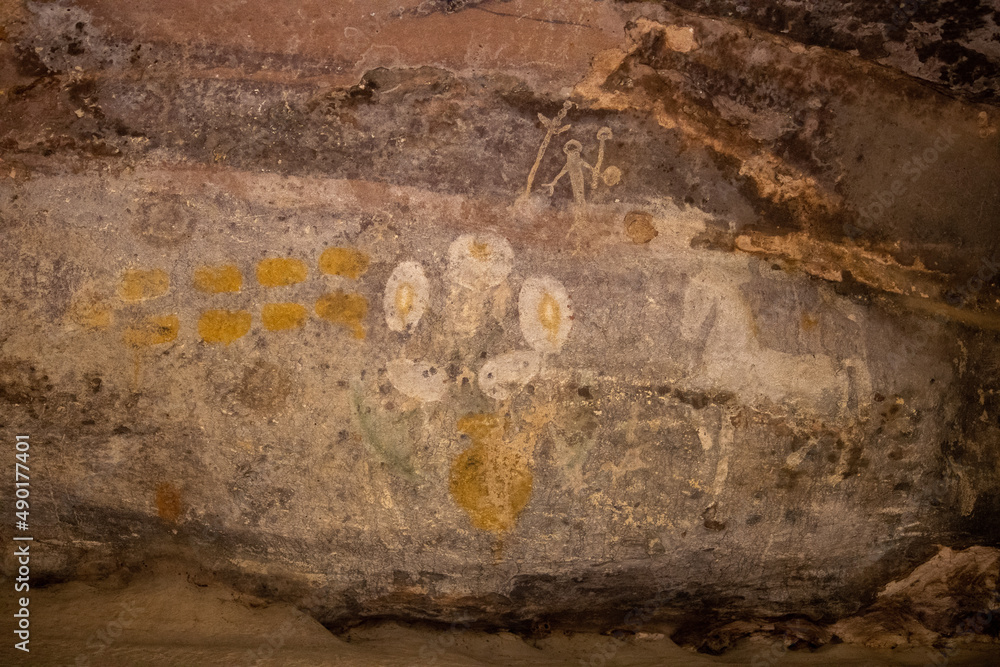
506,311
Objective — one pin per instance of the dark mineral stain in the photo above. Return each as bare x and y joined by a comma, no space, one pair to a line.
982,523
21,383
855,461
29,64
695,399
710,521
787,478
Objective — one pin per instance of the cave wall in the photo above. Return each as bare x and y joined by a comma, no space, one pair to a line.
287,294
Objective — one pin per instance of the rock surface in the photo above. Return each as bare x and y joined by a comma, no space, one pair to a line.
166,620
524,312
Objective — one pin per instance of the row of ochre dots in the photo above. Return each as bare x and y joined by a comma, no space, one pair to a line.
347,309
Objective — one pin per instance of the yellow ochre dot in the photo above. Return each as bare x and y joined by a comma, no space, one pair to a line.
480,251
154,330
550,316
347,310
283,316
91,312
343,262
139,284
223,326
405,296
281,271
218,279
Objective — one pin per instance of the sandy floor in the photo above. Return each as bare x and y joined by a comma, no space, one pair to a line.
169,621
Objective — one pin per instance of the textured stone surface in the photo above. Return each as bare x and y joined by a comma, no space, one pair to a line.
952,44
517,311
168,619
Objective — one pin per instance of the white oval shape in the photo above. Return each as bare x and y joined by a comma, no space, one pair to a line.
406,296
504,374
546,313
480,260
418,379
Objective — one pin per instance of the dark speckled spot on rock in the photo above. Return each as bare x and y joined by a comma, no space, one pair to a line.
710,521
165,222
264,387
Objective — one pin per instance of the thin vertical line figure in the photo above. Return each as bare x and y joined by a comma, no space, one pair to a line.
553,128
575,164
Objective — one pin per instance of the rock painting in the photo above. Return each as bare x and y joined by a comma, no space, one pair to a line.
218,279
152,330
546,314
546,317
552,128
575,163
281,271
417,379
406,296
717,315
504,374
283,316
479,261
639,227
141,285
491,479
169,505
348,262
388,436
224,326
347,310
478,266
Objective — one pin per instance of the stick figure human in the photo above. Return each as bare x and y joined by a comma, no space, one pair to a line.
574,167
575,164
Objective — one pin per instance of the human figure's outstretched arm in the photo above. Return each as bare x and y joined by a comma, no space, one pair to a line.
552,186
